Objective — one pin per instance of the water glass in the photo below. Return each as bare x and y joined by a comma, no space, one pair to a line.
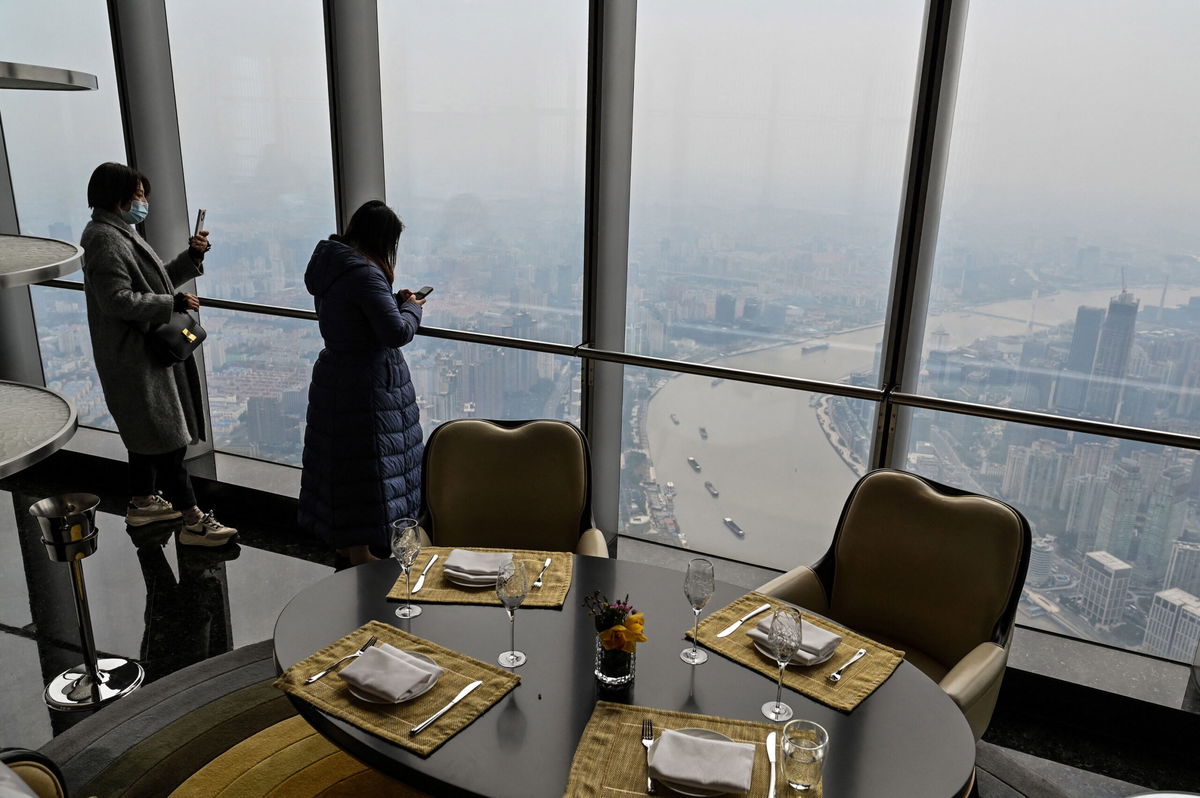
406,545
802,748
698,586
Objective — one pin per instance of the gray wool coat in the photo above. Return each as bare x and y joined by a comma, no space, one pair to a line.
157,408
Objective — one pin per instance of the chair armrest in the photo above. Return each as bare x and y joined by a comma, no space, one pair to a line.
974,683
32,773
592,543
801,586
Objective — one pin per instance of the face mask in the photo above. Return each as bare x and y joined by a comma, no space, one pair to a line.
137,213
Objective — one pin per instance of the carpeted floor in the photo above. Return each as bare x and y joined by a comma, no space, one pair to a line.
219,728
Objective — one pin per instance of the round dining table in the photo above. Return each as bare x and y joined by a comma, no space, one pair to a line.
906,740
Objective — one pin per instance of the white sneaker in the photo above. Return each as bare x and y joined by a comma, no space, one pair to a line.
159,509
208,531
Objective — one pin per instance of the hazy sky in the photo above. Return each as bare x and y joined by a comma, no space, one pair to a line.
1080,114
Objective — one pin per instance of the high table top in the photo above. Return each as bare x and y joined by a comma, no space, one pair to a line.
906,739
35,422
28,259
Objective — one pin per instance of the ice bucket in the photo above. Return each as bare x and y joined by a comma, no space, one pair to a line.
68,525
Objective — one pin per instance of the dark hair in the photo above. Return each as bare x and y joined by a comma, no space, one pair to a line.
114,184
374,231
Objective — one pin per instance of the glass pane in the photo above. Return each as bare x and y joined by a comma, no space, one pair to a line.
254,128
67,360
742,471
767,175
454,379
1065,278
259,369
56,138
1116,553
484,125
50,163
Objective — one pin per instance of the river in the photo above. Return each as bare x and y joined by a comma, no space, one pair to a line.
777,475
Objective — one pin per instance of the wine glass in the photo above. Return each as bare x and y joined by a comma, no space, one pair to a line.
406,545
782,642
512,584
698,587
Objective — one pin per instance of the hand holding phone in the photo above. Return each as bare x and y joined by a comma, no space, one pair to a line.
199,222
424,292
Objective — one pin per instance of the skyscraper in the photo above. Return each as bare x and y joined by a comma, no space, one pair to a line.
1103,583
1183,567
1118,513
1112,357
1072,383
1173,628
1165,513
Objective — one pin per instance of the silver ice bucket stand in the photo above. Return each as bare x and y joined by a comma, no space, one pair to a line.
69,534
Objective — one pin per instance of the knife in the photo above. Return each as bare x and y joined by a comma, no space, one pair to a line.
728,630
420,727
421,578
771,759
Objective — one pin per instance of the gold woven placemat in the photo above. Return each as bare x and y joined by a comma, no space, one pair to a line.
611,761
392,721
440,590
858,681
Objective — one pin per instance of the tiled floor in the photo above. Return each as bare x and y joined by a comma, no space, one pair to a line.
168,606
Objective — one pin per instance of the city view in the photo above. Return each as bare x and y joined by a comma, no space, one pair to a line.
762,234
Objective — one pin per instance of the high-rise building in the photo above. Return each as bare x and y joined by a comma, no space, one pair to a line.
1032,475
1083,497
1103,584
1112,357
1173,627
1183,565
1166,512
1073,381
1040,558
725,309
1118,512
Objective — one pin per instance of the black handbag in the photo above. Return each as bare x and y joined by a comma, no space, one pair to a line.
174,341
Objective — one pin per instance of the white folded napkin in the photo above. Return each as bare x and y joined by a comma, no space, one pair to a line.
475,567
390,674
815,643
705,764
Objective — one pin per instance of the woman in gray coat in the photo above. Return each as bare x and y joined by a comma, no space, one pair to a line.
157,408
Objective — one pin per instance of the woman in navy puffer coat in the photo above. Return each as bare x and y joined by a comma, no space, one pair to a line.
362,447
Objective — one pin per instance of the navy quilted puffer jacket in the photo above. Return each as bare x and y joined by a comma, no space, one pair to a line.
362,447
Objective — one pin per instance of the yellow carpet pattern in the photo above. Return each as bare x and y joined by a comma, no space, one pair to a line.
289,760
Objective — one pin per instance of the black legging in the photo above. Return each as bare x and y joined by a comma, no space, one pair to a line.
165,472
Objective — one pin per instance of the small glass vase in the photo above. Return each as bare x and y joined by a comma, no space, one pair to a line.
614,668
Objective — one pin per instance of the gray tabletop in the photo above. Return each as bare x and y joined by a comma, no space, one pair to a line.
28,259
906,740
34,423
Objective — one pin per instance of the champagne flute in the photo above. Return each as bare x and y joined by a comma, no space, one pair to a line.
782,642
406,545
512,583
698,587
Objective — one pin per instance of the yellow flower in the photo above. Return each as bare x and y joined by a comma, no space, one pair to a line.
625,636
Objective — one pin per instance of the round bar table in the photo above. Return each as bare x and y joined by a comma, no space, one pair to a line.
34,423
905,740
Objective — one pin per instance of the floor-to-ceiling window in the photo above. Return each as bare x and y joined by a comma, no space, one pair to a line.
768,160
484,125
1066,281
54,140
250,86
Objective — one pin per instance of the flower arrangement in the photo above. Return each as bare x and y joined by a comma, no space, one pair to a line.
619,625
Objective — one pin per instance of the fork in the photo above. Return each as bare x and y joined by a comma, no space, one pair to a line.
352,655
648,740
538,582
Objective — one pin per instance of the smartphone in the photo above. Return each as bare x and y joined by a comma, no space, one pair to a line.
424,292
199,222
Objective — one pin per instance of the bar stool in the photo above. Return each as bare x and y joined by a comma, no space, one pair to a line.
69,534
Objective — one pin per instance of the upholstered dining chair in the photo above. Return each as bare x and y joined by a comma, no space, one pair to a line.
518,484
929,569
24,772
